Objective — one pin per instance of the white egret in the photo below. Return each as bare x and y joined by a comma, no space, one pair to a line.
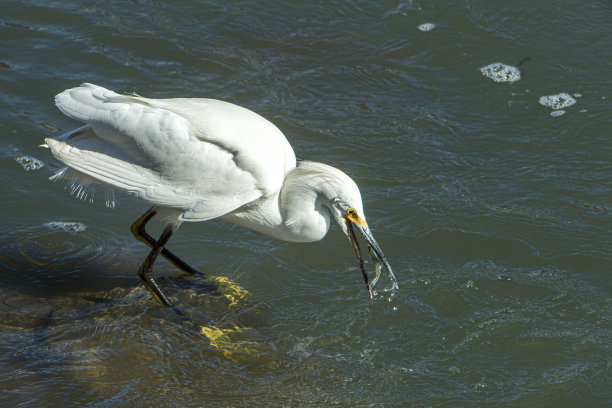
198,159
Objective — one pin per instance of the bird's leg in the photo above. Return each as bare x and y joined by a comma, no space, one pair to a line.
141,234
225,286
146,269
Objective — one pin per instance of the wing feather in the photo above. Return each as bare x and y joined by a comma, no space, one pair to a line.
203,156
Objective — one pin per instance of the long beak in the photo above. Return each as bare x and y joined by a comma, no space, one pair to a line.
373,248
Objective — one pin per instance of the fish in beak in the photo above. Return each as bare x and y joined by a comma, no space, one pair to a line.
354,222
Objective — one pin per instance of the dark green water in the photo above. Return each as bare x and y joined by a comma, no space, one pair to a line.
495,214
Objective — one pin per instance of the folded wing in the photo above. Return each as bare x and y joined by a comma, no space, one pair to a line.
202,156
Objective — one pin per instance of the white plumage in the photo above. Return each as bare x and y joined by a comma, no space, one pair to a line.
198,159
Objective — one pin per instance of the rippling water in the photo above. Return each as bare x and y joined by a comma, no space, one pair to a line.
494,209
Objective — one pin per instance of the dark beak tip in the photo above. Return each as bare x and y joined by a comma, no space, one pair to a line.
375,252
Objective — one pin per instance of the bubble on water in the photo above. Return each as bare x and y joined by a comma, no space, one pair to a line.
426,26
501,72
558,101
481,386
556,113
59,226
454,370
29,163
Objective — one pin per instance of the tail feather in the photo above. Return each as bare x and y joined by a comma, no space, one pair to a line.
91,166
81,185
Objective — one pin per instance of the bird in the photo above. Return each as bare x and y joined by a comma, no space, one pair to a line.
197,159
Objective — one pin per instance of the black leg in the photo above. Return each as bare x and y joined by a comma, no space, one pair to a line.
224,286
146,269
141,234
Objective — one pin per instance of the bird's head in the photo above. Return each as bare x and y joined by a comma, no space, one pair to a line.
340,195
350,218
312,195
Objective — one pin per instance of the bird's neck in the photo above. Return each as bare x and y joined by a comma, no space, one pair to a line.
297,213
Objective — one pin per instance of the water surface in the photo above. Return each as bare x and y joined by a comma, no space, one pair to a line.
495,214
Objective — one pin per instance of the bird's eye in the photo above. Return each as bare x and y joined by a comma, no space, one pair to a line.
351,211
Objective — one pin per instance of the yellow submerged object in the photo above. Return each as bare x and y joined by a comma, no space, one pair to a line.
232,291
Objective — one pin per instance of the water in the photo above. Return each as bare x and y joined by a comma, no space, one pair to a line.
494,214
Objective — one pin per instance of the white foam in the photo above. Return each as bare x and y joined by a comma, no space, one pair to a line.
558,112
426,26
501,72
59,226
29,163
558,101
